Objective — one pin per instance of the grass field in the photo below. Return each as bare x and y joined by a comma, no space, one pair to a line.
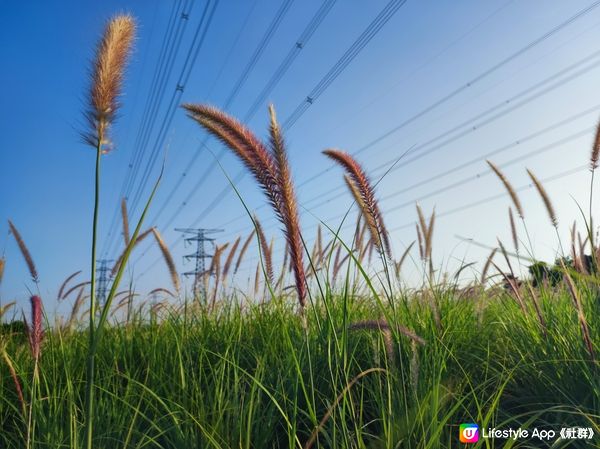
254,377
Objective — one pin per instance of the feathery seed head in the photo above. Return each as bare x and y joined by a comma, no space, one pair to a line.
595,156
167,257
358,179
24,251
107,78
509,188
545,198
34,330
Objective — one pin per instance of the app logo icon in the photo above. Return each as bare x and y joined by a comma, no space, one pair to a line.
469,433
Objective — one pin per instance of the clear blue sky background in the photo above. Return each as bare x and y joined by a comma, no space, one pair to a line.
426,51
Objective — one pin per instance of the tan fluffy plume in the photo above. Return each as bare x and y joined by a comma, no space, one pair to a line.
24,251
271,169
368,203
107,79
509,188
167,257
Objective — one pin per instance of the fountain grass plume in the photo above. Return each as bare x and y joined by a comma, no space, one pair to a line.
24,251
368,204
35,333
270,168
125,220
266,251
243,251
230,256
398,265
513,229
107,79
545,198
383,325
72,289
161,290
139,239
59,295
487,265
253,153
289,207
509,188
167,258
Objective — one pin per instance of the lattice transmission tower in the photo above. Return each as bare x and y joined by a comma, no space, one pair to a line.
104,275
198,235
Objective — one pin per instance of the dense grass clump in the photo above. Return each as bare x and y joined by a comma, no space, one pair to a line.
255,377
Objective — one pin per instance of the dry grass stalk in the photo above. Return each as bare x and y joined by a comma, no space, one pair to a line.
256,279
420,240
509,188
336,258
364,193
75,310
398,265
107,78
575,255
139,239
64,284
229,260
167,258
426,233
243,251
313,437
279,283
513,229
6,307
15,379
24,251
538,310
338,266
215,269
545,198
125,220
512,284
382,325
271,170
580,314
75,287
2,265
160,290
505,254
486,267
262,240
429,237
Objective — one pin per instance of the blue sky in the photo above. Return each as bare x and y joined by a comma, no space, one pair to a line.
462,76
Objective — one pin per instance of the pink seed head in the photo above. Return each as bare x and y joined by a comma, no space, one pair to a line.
35,332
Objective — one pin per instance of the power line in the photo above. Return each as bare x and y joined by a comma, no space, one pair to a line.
373,28
485,73
463,181
451,95
191,57
471,82
152,97
265,40
365,37
472,124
